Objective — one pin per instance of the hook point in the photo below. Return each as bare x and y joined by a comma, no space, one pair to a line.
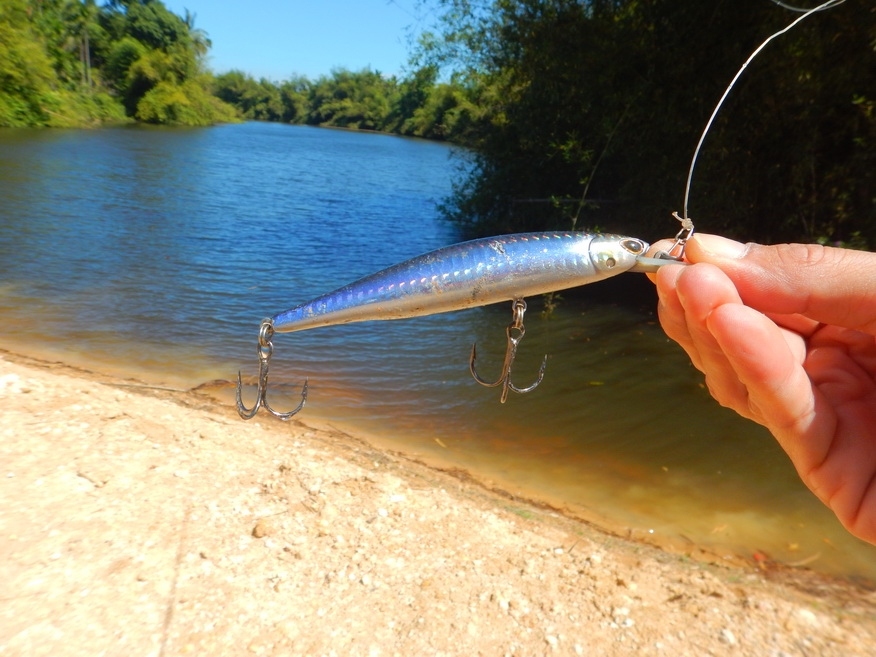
504,380
265,351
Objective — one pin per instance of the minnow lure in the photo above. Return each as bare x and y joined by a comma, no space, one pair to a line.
474,273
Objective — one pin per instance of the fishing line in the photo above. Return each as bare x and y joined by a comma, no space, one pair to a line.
827,5
783,5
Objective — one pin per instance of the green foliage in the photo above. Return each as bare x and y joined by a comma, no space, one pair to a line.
14,111
257,100
72,63
351,100
153,25
155,64
450,110
293,96
578,101
26,73
188,103
120,58
363,100
409,96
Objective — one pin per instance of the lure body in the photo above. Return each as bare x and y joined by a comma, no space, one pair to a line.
469,274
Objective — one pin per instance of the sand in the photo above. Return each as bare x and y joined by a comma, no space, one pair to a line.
144,521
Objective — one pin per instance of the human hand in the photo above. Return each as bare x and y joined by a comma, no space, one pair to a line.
786,336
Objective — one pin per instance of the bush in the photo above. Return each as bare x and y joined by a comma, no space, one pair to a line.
188,103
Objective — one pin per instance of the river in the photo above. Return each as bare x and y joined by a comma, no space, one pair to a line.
155,252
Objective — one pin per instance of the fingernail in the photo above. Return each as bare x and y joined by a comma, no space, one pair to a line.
716,246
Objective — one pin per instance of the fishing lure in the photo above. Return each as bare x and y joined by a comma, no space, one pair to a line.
474,273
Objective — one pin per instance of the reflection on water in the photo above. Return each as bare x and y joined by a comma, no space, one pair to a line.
159,250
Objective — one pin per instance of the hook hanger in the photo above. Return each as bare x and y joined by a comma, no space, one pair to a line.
676,251
265,350
515,333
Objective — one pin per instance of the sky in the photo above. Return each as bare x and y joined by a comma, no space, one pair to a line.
277,39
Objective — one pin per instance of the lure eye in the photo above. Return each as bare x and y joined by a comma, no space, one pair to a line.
634,246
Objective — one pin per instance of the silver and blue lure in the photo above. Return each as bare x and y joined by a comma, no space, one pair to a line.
475,273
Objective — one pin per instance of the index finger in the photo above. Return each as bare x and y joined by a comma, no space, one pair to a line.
826,284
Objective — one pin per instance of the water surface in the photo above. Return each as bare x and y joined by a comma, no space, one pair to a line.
158,251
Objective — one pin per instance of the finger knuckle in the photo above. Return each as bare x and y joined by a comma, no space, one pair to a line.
800,255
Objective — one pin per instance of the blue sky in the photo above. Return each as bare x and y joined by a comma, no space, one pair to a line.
278,38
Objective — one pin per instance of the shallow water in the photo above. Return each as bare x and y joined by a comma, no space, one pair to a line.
157,251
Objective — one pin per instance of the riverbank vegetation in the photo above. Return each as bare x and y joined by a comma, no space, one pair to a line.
66,63
577,114
76,63
416,106
589,112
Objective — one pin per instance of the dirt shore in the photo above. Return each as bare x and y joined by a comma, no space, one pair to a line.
142,521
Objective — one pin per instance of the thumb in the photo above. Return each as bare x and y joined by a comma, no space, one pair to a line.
826,284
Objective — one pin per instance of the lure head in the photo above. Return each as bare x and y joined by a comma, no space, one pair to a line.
615,254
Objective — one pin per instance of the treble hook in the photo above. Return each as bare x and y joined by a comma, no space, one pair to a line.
515,333
265,350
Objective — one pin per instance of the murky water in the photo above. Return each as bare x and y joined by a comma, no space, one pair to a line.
157,251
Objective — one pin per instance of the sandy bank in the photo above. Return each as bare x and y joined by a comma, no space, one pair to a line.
146,522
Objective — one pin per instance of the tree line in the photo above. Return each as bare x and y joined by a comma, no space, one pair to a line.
74,63
417,105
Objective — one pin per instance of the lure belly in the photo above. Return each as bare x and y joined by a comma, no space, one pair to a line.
469,274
